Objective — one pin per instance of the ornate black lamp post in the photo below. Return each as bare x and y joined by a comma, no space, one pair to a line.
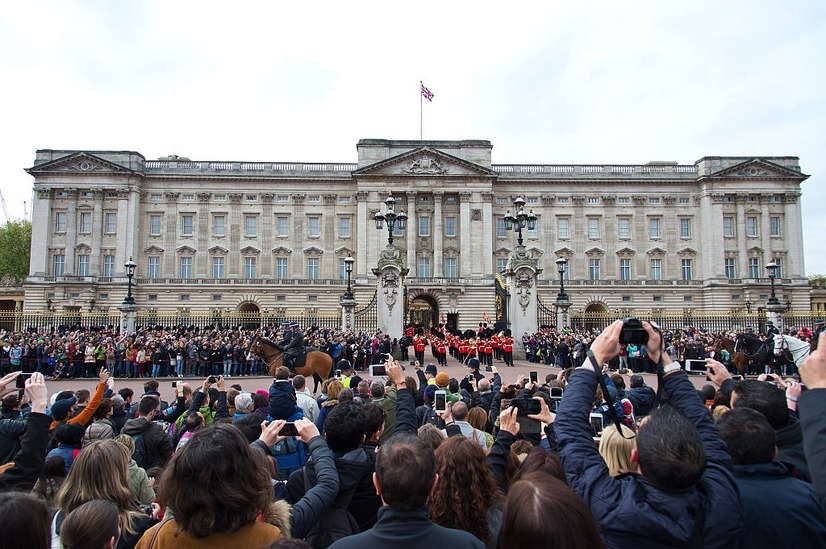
130,272
391,217
520,219
748,305
561,263
772,268
348,269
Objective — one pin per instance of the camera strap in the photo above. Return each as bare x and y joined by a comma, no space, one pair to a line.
612,412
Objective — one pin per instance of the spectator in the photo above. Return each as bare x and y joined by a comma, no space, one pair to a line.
157,444
28,462
751,442
478,419
305,398
386,399
685,481
100,472
223,508
282,396
101,428
432,435
138,479
456,423
405,475
25,522
334,387
466,496
51,479
243,406
542,511
62,410
641,396
93,525
69,437
118,417
812,408
616,450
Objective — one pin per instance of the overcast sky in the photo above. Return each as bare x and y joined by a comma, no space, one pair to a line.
550,82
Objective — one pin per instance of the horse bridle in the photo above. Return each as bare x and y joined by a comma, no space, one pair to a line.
784,346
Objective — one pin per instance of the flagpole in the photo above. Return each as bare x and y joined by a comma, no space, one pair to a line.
421,110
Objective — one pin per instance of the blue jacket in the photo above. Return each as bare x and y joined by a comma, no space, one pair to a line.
629,510
799,521
282,400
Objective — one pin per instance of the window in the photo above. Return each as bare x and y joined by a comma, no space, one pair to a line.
593,200
59,264
313,226
315,199
281,298
186,267
774,226
217,267
657,298
83,265
562,227
343,199
281,268
60,222
186,225
424,268
625,269
653,200
684,200
593,227
626,299
450,267
654,228
184,297
623,200
532,200
593,269
312,298
85,225
424,225
754,267
188,197
219,197
751,226
157,197
688,298
344,227
110,223
501,264
656,269
565,200
219,225
685,227
249,268
779,271
731,269
250,225
686,269
342,269
281,224
312,268
282,198
103,296
154,225
450,227
397,230
217,297
728,226
501,229
566,270
108,265
154,268
500,200
251,197
624,227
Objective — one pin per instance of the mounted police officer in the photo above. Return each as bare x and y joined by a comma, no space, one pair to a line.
292,343
771,358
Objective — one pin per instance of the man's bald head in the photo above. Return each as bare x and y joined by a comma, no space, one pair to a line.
459,411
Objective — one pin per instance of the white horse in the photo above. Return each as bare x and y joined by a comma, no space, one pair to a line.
794,349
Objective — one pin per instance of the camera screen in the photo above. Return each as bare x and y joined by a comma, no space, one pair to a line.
441,402
377,370
557,392
596,424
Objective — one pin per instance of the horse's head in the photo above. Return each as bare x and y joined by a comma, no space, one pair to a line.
254,348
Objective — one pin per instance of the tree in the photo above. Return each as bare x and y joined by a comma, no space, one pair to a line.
15,249
817,281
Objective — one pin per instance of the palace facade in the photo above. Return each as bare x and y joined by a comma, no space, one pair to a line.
271,237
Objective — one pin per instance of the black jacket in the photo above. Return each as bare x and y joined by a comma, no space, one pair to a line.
158,444
629,510
408,530
800,521
790,448
28,462
812,410
10,432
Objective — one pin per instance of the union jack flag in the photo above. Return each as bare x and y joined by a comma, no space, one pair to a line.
427,93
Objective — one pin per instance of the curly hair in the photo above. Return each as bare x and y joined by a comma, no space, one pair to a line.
466,489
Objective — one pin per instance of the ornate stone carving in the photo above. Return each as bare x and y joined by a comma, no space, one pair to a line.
437,196
670,200
45,194
578,200
464,196
548,200
639,200
524,285
424,164
390,287
718,198
204,197
330,199
608,199
97,194
235,198
790,198
753,171
123,194
72,193
171,197
362,196
299,198
267,198
476,214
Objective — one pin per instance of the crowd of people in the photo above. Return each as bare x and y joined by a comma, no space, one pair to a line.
585,457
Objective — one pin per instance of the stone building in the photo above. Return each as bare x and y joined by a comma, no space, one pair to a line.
272,236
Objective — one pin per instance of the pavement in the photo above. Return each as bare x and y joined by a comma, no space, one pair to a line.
454,369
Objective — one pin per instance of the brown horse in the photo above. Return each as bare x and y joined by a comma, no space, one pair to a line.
739,359
317,364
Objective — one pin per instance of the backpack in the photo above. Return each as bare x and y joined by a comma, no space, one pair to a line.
139,455
336,522
290,456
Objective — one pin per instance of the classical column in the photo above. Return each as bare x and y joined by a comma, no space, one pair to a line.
42,231
412,230
792,236
710,232
73,220
266,235
438,235
487,235
170,238
364,227
97,232
465,235
298,263
122,250
200,266
742,246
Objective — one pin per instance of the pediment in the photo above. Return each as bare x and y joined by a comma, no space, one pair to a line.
755,250
536,252
758,168
185,250
656,251
595,251
281,250
455,250
424,161
501,250
343,250
218,250
626,251
153,250
79,162
83,248
564,252
250,250
312,250
687,251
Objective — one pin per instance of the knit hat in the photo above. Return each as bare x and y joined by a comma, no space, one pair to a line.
430,393
442,379
430,369
61,408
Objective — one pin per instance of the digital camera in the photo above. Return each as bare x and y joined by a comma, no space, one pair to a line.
633,332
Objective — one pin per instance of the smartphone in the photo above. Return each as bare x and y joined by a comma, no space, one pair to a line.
378,370
596,424
694,366
557,392
533,377
338,373
174,384
524,407
440,401
288,430
21,380
212,379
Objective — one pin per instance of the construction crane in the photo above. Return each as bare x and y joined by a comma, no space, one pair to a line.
5,208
